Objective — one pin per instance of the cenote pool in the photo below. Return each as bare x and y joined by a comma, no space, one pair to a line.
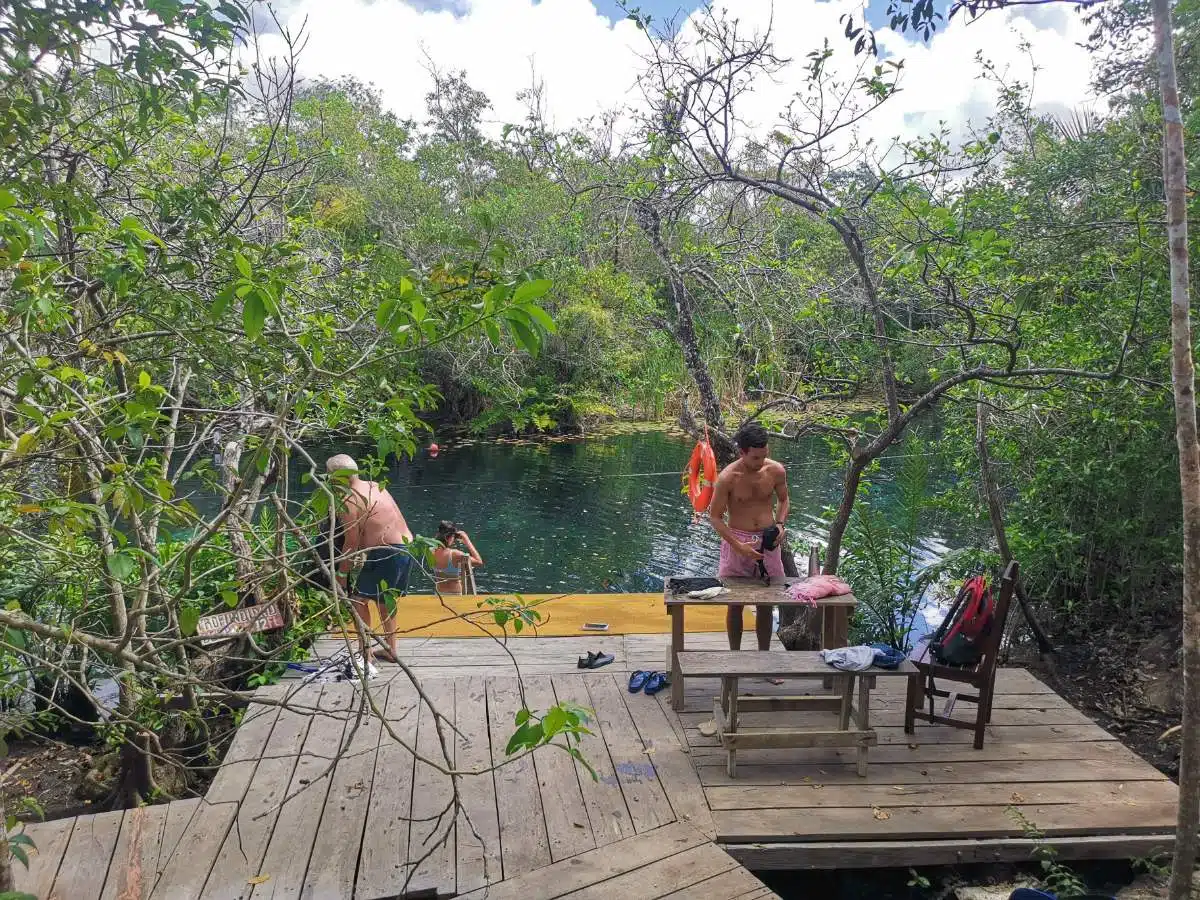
602,514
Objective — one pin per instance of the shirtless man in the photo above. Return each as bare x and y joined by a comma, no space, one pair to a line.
372,521
747,489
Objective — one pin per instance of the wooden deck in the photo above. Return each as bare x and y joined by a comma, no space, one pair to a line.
319,799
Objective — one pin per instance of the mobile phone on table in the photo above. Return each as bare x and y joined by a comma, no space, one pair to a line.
594,626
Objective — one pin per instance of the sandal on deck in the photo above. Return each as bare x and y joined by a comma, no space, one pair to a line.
585,662
638,680
601,659
655,683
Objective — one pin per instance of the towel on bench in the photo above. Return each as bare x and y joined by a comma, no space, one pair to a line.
850,659
817,587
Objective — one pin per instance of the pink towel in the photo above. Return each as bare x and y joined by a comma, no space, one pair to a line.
816,587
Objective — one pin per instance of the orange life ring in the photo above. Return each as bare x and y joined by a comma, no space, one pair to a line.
702,476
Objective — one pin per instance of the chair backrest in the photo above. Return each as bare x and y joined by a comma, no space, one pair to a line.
991,644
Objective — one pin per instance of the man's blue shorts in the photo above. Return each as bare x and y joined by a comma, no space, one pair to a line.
386,570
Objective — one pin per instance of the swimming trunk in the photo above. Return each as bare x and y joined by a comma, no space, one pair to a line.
387,569
734,565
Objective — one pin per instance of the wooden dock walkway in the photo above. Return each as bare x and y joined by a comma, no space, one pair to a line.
319,799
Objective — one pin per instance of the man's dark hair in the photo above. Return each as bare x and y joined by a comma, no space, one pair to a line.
752,434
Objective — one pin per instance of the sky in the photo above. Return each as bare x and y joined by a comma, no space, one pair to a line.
588,55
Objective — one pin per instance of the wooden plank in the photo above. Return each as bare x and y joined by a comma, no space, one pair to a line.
937,822
661,878
817,795
186,870
477,840
431,847
712,774
331,871
291,843
50,841
1018,734
939,754
524,842
602,796
88,856
383,862
567,826
753,663
800,739
675,770
732,883
635,771
559,880
179,816
893,716
748,703
241,855
134,867
875,854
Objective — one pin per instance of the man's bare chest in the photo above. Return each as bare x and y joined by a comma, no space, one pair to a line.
752,489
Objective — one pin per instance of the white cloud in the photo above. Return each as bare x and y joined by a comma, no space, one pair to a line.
589,65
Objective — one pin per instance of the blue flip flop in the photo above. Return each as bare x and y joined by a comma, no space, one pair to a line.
638,680
655,683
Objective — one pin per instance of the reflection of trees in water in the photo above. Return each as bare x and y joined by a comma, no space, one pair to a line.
584,515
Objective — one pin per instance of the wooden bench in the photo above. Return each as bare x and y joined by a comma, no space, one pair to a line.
745,592
730,665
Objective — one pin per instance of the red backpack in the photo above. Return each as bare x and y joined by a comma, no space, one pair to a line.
960,638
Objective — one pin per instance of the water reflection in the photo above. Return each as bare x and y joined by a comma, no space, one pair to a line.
595,515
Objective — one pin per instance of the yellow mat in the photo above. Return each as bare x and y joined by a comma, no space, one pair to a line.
423,615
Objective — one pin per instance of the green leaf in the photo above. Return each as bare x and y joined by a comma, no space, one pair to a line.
526,737
221,301
554,721
242,264
493,331
143,379
254,315
531,290
540,316
19,855
188,619
15,637
522,717
229,598
383,315
524,336
26,382
7,199
121,565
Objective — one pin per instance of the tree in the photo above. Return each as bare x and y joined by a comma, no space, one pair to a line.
920,16
177,310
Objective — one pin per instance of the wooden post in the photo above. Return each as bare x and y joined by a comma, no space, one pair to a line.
676,646
863,720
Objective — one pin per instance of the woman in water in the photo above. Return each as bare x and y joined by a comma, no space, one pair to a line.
448,562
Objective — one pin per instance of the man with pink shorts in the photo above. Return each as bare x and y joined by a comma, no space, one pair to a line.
747,490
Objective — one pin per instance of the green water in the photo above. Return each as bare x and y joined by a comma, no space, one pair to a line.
603,514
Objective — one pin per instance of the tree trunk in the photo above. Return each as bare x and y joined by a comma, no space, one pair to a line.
1183,377
684,332
837,530
799,626
996,515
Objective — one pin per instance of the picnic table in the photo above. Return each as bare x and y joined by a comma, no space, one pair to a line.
853,724
752,592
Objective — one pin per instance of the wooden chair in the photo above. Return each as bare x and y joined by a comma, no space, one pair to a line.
982,676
